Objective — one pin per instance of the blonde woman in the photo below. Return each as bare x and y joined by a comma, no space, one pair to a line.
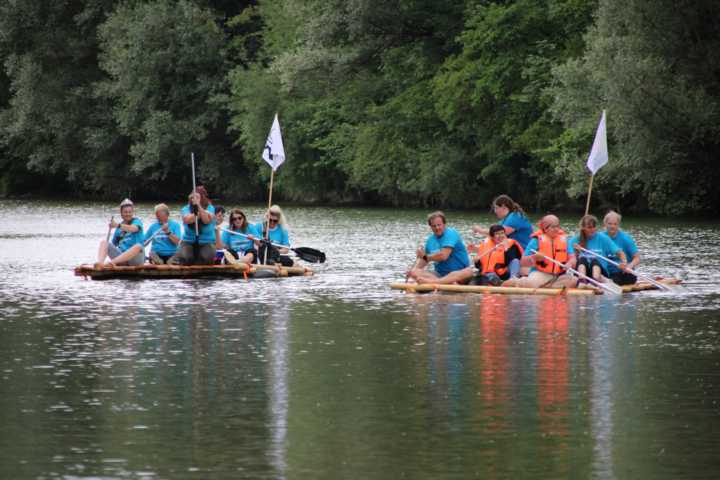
275,228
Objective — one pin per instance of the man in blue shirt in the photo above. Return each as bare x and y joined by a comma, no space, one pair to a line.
447,250
623,240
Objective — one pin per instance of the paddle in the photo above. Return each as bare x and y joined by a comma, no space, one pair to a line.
627,269
614,289
152,236
107,239
308,254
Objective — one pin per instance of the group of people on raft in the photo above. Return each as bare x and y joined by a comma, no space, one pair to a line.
199,239
514,254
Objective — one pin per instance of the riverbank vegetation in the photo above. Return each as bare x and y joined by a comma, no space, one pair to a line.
395,102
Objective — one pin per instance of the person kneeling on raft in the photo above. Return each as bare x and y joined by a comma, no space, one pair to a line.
197,249
498,258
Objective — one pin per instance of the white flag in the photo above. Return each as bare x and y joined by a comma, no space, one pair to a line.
274,153
599,153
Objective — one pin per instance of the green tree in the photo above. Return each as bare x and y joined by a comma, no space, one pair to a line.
655,67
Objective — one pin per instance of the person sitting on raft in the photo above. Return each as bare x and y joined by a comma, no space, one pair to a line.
165,234
239,248
589,239
553,243
498,258
275,229
446,249
197,249
126,246
512,218
623,240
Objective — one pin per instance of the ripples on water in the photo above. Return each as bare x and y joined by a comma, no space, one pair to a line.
338,376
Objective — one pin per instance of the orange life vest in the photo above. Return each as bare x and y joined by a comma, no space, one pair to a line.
495,261
554,248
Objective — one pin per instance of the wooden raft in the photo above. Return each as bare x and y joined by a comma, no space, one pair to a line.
191,271
431,287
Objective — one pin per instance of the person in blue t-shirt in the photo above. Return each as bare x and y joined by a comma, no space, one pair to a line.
275,228
239,241
623,240
197,248
447,250
513,218
165,235
591,241
126,246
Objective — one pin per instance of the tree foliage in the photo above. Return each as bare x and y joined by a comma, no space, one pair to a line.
404,102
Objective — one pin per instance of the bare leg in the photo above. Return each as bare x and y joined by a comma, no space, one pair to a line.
247,258
102,252
126,255
458,276
567,281
423,276
597,273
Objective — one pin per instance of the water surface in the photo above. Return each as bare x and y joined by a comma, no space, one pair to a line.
336,375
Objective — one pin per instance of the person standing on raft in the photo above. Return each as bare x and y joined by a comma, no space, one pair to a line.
197,249
126,246
553,243
446,249
512,218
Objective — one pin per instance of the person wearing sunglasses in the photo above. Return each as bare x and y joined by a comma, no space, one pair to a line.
239,248
276,227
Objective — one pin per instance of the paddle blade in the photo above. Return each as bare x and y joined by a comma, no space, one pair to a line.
310,254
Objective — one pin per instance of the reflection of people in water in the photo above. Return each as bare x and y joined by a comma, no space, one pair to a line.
553,367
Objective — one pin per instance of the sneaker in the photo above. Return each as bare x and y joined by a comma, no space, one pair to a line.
155,259
229,258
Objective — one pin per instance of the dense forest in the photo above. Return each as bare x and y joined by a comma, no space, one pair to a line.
383,102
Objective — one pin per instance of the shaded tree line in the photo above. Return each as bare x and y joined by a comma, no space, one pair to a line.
402,102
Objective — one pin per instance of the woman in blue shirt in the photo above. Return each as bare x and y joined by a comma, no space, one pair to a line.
275,229
513,218
589,239
197,248
239,240
126,246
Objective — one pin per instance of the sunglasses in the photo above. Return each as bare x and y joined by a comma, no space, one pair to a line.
273,219
236,218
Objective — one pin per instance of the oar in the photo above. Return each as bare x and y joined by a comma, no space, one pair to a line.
107,239
627,269
152,236
614,289
305,253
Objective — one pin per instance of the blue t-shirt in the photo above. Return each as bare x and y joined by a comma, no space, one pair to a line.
523,227
238,242
277,235
532,247
458,258
598,243
124,240
626,243
161,243
207,231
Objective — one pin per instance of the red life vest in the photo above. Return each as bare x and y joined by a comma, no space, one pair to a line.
554,248
495,260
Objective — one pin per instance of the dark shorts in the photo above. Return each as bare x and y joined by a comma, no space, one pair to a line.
591,262
623,278
194,254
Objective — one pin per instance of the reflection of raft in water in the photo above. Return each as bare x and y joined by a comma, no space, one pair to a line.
431,287
192,271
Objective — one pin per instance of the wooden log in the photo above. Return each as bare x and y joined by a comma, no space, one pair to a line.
182,271
431,287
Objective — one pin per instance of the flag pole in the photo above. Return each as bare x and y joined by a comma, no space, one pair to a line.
267,223
587,205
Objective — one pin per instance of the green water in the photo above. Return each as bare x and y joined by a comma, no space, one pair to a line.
337,376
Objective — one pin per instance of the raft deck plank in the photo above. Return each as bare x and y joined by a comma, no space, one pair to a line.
148,271
432,287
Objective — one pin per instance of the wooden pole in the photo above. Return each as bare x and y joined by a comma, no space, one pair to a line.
267,223
587,205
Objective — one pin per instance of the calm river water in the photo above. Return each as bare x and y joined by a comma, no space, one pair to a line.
337,376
